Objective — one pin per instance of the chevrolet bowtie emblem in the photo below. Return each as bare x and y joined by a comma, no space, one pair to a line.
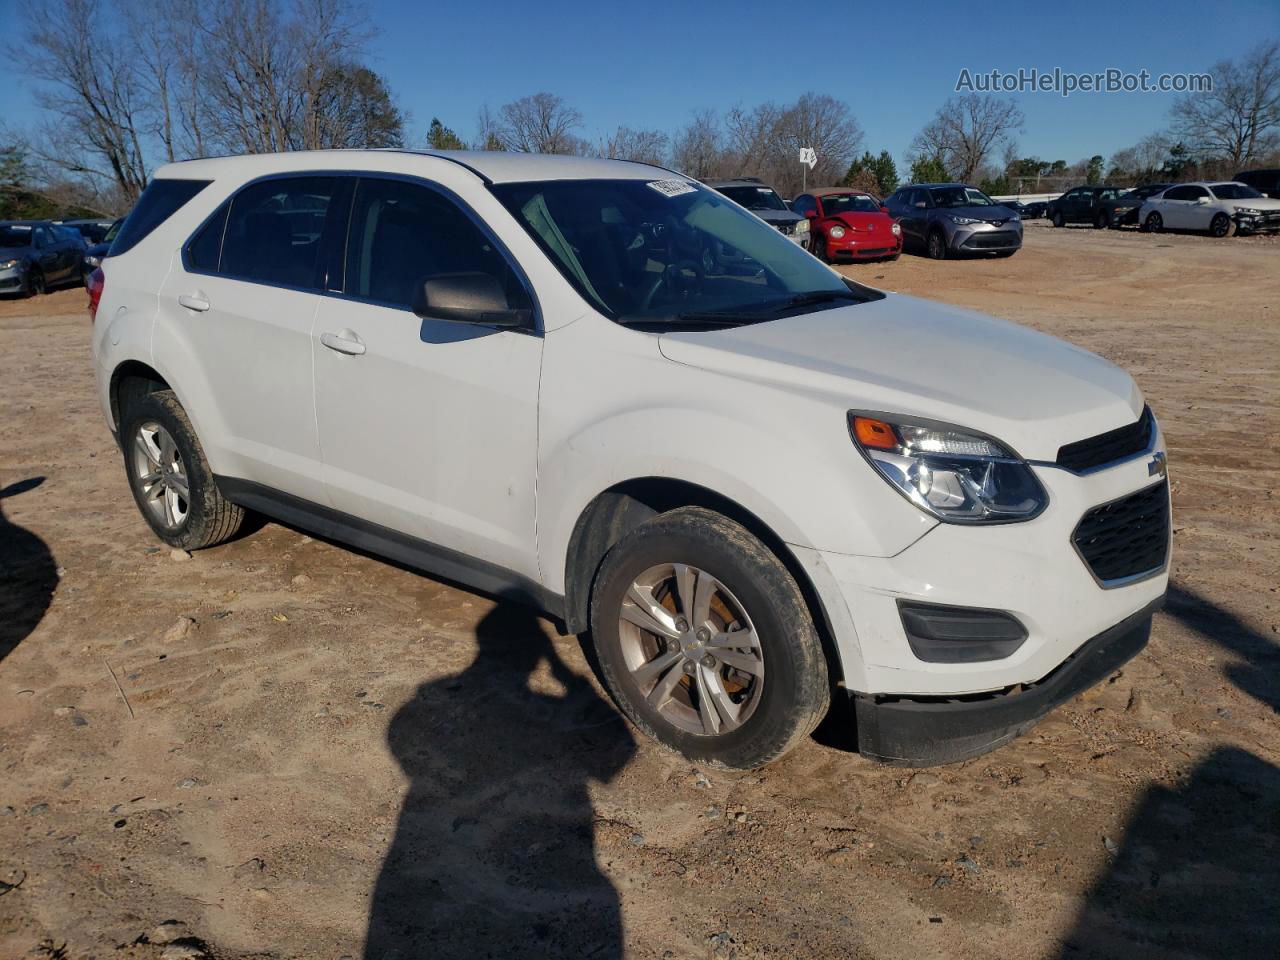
1159,466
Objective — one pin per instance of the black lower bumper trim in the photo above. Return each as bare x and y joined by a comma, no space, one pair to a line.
912,731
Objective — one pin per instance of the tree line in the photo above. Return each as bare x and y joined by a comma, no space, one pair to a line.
126,85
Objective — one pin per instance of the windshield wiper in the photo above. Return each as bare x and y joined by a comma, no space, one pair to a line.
704,318
819,296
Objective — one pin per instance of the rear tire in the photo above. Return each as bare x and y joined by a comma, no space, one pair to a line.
1154,223
668,603
170,477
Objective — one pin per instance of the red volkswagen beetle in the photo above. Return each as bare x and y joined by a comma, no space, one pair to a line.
847,224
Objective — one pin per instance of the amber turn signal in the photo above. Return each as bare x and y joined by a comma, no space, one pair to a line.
874,434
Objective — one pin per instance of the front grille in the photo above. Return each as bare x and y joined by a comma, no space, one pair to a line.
1108,447
992,239
1128,537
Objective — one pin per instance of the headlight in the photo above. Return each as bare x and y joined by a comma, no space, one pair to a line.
955,475
802,226
836,232
6,264
897,229
92,261
1249,211
964,220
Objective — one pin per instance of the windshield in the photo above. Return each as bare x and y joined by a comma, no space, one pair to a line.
1150,190
754,198
960,197
837,203
1233,191
654,251
15,235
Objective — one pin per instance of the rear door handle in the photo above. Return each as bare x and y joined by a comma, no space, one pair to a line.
195,302
346,341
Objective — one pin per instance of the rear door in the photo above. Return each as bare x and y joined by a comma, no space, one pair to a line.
915,215
243,301
428,427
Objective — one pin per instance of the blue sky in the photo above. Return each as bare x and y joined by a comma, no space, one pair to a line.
650,65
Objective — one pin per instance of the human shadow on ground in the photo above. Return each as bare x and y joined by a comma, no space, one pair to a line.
1198,873
28,574
494,852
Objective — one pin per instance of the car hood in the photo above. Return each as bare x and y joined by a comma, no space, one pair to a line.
992,214
863,222
1257,203
910,356
777,216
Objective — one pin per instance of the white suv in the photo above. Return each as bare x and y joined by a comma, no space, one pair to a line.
602,388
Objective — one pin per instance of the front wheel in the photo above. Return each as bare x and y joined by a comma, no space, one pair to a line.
1058,220
170,478
936,245
820,248
1102,221
36,284
705,640
1154,223
1221,226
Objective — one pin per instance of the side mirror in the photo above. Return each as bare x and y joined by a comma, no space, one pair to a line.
467,298
1202,199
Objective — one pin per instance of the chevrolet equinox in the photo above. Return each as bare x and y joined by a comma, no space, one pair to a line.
602,388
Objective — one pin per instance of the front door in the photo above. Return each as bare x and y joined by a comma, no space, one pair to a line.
427,427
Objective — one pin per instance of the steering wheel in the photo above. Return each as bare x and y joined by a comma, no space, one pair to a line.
676,281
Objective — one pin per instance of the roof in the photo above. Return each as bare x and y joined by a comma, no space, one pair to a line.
492,165
715,182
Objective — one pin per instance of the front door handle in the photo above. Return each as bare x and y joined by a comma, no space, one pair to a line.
195,302
345,341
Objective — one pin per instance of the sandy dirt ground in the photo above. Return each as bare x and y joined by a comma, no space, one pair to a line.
308,745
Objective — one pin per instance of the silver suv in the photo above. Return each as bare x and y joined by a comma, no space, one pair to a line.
950,219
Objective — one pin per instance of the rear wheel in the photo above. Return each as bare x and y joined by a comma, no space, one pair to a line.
1221,226
170,478
1102,220
705,641
936,245
1154,222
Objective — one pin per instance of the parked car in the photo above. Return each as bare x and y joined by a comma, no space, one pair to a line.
1221,209
756,490
948,219
1082,205
94,256
1035,210
1017,206
847,225
762,200
1123,210
93,231
37,254
1266,182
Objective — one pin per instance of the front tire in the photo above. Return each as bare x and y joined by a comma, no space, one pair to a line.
1058,220
936,245
820,248
36,284
170,477
688,612
1221,226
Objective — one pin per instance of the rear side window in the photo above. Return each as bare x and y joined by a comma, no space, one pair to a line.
275,231
161,200
205,247
402,234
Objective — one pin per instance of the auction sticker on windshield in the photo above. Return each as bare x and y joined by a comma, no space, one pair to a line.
672,188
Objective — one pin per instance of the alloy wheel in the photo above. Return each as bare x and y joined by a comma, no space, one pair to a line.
161,475
1155,222
1220,226
691,649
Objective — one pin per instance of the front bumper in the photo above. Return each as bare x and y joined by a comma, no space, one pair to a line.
1268,222
986,238
920,732
863,246
12,280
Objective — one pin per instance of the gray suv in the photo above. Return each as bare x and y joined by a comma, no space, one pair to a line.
949,219
762,200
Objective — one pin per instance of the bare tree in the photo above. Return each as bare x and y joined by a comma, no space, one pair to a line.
965,131
697,148
1238,121
646,146
487,130
95,100
827,125
541,123
755,140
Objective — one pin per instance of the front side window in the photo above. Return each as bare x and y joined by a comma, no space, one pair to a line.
657,251
404,234
837,203
1234,191
275,231
754,198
